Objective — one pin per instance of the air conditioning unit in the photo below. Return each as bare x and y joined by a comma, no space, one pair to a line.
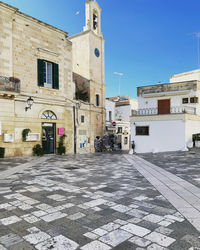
8,137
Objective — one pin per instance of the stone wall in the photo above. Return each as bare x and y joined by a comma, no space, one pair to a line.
23,41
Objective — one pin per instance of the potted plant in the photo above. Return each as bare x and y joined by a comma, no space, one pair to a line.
25,133
61,148
38,150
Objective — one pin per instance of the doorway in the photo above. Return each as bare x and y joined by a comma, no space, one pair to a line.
48,137
164,106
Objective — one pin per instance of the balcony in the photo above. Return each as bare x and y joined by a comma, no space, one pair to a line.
173,110
9,84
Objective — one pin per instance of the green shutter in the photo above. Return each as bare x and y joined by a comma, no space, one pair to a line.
55,76
40,64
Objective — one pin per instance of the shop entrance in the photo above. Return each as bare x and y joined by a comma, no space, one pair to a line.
48,137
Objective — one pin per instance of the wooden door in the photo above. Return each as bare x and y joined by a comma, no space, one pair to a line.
164,106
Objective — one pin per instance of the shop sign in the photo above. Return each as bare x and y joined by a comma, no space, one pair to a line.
61,131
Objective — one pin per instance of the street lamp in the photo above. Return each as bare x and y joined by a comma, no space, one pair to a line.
30,102
120,75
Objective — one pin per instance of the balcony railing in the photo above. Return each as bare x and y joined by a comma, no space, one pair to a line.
9,84
173,110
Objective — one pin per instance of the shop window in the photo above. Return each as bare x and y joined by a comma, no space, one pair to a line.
194,100
97,100
82,118
48,74
142,130
185,100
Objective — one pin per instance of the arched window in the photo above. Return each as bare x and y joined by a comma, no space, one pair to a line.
95,20
48,114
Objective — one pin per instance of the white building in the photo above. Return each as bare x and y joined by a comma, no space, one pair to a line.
118,112
168,115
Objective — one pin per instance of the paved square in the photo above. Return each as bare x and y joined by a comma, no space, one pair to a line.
89,202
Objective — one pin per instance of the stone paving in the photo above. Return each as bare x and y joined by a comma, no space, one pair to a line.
89,202
186,165
8,163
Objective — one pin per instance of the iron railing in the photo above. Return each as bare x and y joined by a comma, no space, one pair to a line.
173,110
9,84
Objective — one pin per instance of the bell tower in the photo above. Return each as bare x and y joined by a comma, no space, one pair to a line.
93,17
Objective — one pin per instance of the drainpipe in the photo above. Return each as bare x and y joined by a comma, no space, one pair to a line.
74,115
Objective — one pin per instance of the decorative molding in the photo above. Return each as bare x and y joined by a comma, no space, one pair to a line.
48,51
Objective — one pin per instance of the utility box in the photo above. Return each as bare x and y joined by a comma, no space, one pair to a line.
8,137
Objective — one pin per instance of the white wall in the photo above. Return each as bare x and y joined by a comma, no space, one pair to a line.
163,136
125,129
186,76
110,106
123,112
134,104
192,127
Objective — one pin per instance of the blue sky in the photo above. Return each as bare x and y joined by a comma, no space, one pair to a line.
146,40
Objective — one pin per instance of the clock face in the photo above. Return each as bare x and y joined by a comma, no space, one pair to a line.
97,52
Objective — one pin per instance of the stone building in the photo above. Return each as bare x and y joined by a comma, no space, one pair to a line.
40,62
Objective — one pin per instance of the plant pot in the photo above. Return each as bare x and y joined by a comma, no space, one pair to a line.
2,152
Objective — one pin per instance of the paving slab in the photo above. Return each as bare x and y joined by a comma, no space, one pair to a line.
93,201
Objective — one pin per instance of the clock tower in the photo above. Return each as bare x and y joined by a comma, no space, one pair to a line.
88,62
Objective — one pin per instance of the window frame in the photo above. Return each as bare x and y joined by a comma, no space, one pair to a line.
140,134
46,75
97,100
110,115
82,119
185,98
119,130
126,140
195,99
43,76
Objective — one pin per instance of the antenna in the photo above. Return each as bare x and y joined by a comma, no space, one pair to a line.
120,75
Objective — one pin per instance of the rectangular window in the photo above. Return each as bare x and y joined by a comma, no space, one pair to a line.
48,74
97,100
119,130
125,140
82,118
194,100
110,116
185,100
142,130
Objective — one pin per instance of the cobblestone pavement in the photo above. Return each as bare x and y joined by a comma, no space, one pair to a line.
186,165
8,163
89,202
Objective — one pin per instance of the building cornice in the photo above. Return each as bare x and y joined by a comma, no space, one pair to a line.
84,33
26,16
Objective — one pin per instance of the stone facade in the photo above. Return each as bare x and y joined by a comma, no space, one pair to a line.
24,40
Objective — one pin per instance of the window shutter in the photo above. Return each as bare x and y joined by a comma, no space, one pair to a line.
40,64
55,76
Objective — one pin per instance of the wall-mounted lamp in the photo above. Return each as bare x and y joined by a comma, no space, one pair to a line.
78,105
30,102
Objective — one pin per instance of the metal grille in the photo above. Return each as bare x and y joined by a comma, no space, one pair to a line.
9,84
